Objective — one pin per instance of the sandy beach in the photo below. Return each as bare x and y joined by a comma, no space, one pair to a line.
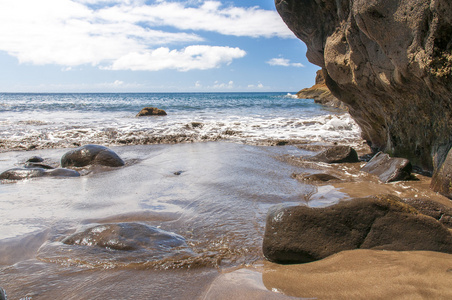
215,195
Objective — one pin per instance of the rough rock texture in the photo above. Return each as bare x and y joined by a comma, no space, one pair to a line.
433,209
151,111
126,237
300,234
390,62
336,154
389,168
26,173
91,155
321,93
442,179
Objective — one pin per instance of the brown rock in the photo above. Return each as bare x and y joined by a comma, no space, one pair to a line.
151,111
300,234
442,178
321,93
336,154
433,209
388,168
390,62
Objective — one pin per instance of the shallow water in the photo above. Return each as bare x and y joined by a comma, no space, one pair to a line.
218,204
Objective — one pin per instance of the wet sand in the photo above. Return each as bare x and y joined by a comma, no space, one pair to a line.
218,202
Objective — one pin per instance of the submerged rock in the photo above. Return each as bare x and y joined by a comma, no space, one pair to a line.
300,234
35,159
127,237
91,155
26,173
151,111
390,62
337,154
319,177
389,168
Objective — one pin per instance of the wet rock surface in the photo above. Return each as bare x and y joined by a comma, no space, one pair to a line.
336,154
390,62
299,234
388,168
127,237
442,179
26,173
151,111
91,155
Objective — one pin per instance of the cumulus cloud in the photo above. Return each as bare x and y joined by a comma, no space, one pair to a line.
116,35
283,62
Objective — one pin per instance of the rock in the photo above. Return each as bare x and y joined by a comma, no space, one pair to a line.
433,209
31,165
337,154
388,168
91,155
127,237
320,177
390,62
300,234
35,159
26,173
442,178
320,93
2,294
151,111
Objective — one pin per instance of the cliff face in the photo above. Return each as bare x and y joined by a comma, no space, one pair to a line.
390,62
321,93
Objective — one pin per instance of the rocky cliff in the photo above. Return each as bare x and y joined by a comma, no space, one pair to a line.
390,62
321,93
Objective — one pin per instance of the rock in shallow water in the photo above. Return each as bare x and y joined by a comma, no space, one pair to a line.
388,168
151,111
25,173
337,154
127,237
91,155
300,234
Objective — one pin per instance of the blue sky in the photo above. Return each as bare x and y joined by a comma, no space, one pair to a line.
149,46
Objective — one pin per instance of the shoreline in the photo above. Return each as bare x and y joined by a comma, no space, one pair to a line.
233,165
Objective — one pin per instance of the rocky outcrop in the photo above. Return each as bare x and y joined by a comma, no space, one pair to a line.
321,93
300,234
388,168
390,62
151,111
91,155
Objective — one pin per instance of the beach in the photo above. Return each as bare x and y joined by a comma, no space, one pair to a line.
215,196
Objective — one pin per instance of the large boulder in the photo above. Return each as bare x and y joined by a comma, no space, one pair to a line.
91,155
390,62
151,111
388,168
26,173
300,234
126,237
336,154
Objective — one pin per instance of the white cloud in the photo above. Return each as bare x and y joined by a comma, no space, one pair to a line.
259,86
192,57
283,62
114,34
221,85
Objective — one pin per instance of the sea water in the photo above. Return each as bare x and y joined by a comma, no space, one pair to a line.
64,120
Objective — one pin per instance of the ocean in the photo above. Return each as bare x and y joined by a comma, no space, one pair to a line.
37,121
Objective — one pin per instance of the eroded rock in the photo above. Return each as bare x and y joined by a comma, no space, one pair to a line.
91,155
127,237
300,234
388,168
442,178
390,62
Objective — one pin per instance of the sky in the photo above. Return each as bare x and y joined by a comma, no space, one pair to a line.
149,46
